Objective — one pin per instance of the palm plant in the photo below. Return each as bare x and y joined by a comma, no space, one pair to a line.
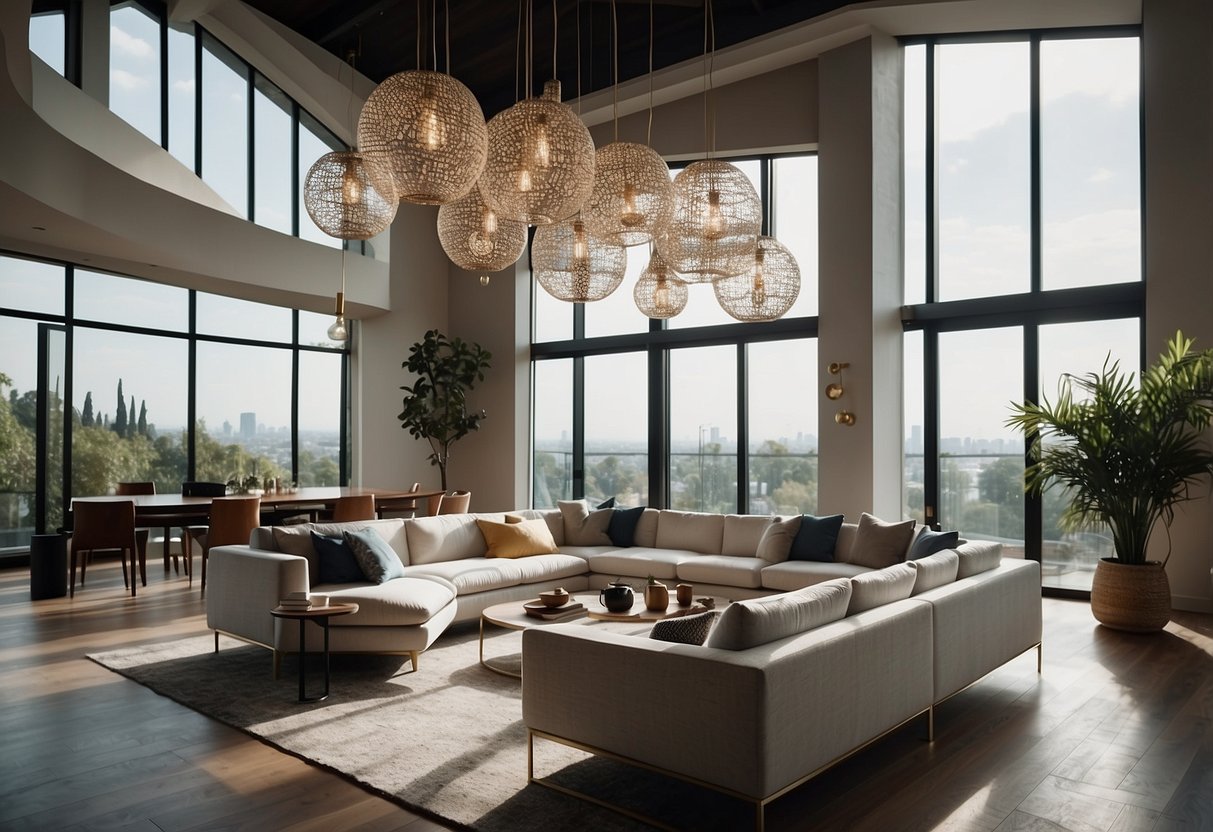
1126,451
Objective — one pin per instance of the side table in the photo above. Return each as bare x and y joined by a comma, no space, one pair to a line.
321,616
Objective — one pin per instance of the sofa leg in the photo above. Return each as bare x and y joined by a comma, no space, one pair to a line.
1040,657
277,663
760,816
216,641
931,724
414,656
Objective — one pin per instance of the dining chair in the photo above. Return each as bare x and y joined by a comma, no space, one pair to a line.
203,489
457,502
107,525
399,507
358,507
135,489
232,520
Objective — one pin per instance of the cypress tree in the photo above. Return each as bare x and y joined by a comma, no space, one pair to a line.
132,425
143,417
86,418
120,415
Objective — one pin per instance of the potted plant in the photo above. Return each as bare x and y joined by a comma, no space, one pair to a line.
435,406
1126,451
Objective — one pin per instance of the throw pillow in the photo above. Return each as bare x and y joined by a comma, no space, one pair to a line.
378,561
516,540
583,527
929,542
881,586
935,570
687,629
337,562
621,530
514,518
816,538
609,502
879,544
777,539
745,624
978,556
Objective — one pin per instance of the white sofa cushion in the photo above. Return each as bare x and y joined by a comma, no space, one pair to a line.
797,574
483,574
297,539
746,624
691,530
742,534
395,603
639,562
583,527
646,529
977,556
881,586
879,544
446,537
722,569
935,570
777,538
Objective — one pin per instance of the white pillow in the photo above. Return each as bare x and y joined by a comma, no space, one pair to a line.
978,556
777,539
935,570
746,624
583,527
881,586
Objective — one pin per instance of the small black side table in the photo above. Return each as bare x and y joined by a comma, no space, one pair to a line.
321,616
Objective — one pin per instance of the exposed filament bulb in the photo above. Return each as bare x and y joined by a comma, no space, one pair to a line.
661,294
543,147
713,221
758,288
429,126
488,221
630,216
581,244
351,187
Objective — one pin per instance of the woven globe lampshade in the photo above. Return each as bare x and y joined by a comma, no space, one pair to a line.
341,199
712,225
424,132
659,293
574,266
475,238
767,289
632,190
540,167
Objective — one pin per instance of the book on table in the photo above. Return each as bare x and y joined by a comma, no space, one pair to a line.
296,601
573,610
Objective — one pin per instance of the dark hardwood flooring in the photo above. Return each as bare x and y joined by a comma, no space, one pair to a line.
1115,736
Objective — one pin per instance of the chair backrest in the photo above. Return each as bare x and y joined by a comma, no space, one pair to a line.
130,489
103,524
203,489
233,520
456,503
361,507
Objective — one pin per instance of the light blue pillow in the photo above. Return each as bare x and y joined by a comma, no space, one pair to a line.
378,561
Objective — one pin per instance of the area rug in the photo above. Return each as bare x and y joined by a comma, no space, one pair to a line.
447,741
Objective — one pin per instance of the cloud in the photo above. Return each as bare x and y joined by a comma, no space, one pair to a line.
127,81
1100,175
130,45
184,86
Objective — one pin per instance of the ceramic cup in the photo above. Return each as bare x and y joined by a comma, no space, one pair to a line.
684,593
319,600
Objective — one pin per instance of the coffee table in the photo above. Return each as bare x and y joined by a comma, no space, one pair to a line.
321,616
510,615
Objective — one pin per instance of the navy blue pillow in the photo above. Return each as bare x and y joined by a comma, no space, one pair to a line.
816,538
929,542
337,562
609,502
622,527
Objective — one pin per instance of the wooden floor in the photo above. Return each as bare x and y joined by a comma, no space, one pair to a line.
1115,736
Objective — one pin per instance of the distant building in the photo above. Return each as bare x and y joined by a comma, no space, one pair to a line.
248,425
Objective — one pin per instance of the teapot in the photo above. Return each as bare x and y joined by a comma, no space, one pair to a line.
617,597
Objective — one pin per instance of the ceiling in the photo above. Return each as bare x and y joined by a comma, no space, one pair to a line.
484,36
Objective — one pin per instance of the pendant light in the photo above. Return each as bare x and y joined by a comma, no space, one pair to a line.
764,291
476,239
338,330
341,199
659,293
424,132
573,265
631,181
540,167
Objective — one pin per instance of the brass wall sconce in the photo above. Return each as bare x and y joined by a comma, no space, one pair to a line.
834,391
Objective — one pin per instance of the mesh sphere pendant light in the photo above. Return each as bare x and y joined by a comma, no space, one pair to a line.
659,293
572,265
475,238
764,291
341,199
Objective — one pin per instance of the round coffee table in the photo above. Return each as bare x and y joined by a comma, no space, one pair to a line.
321,616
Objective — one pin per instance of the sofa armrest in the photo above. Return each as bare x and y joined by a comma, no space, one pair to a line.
244,584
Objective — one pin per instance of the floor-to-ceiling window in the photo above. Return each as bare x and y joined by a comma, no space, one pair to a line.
700,412
1023,261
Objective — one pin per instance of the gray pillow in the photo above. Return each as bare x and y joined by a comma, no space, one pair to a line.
881,586
879,544
686,629
378,561
745,624
978,556
583,527
777,539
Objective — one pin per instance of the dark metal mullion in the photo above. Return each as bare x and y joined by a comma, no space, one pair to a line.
1033,506
578,483
163,17
1033,515
743,430
69,345
1037,282
250,76
198,89
930,428
295,400
659,426
343,451
930,336
931,185
296,196
73,42
191,397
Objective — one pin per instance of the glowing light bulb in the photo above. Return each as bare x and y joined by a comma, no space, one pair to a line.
488,221
630,216
543,147
758,289
661,295
351,187
713,220
581,245
429,127
338,331
524,181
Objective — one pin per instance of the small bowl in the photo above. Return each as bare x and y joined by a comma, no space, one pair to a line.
555,598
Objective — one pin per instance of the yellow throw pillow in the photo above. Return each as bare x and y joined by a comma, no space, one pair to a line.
516,540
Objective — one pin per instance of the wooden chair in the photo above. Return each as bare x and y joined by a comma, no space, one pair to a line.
203,489
171,521
361,507
399,507
232,520
456,502
104,526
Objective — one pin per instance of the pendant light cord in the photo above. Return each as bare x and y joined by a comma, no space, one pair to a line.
615,68
648,133
419,30
446,8
555,33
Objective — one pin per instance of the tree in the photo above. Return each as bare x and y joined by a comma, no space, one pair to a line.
119,423
86,418
142,427
132,425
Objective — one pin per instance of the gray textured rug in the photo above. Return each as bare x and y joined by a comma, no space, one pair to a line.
448,740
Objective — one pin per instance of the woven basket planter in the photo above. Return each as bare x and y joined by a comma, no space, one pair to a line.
1130,597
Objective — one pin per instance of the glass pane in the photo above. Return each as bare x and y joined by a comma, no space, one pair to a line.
131,392
225,124
47,39
981,459
320,418
182,93
232,318
984,247
1090,156
703,429
794,223
1068,559
617,314
125,300
244,412
313,330
52,423
617,428
18,426
553,426
31,286
913,482
914,174
314,141
783,427
135,69
553,318
272,125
